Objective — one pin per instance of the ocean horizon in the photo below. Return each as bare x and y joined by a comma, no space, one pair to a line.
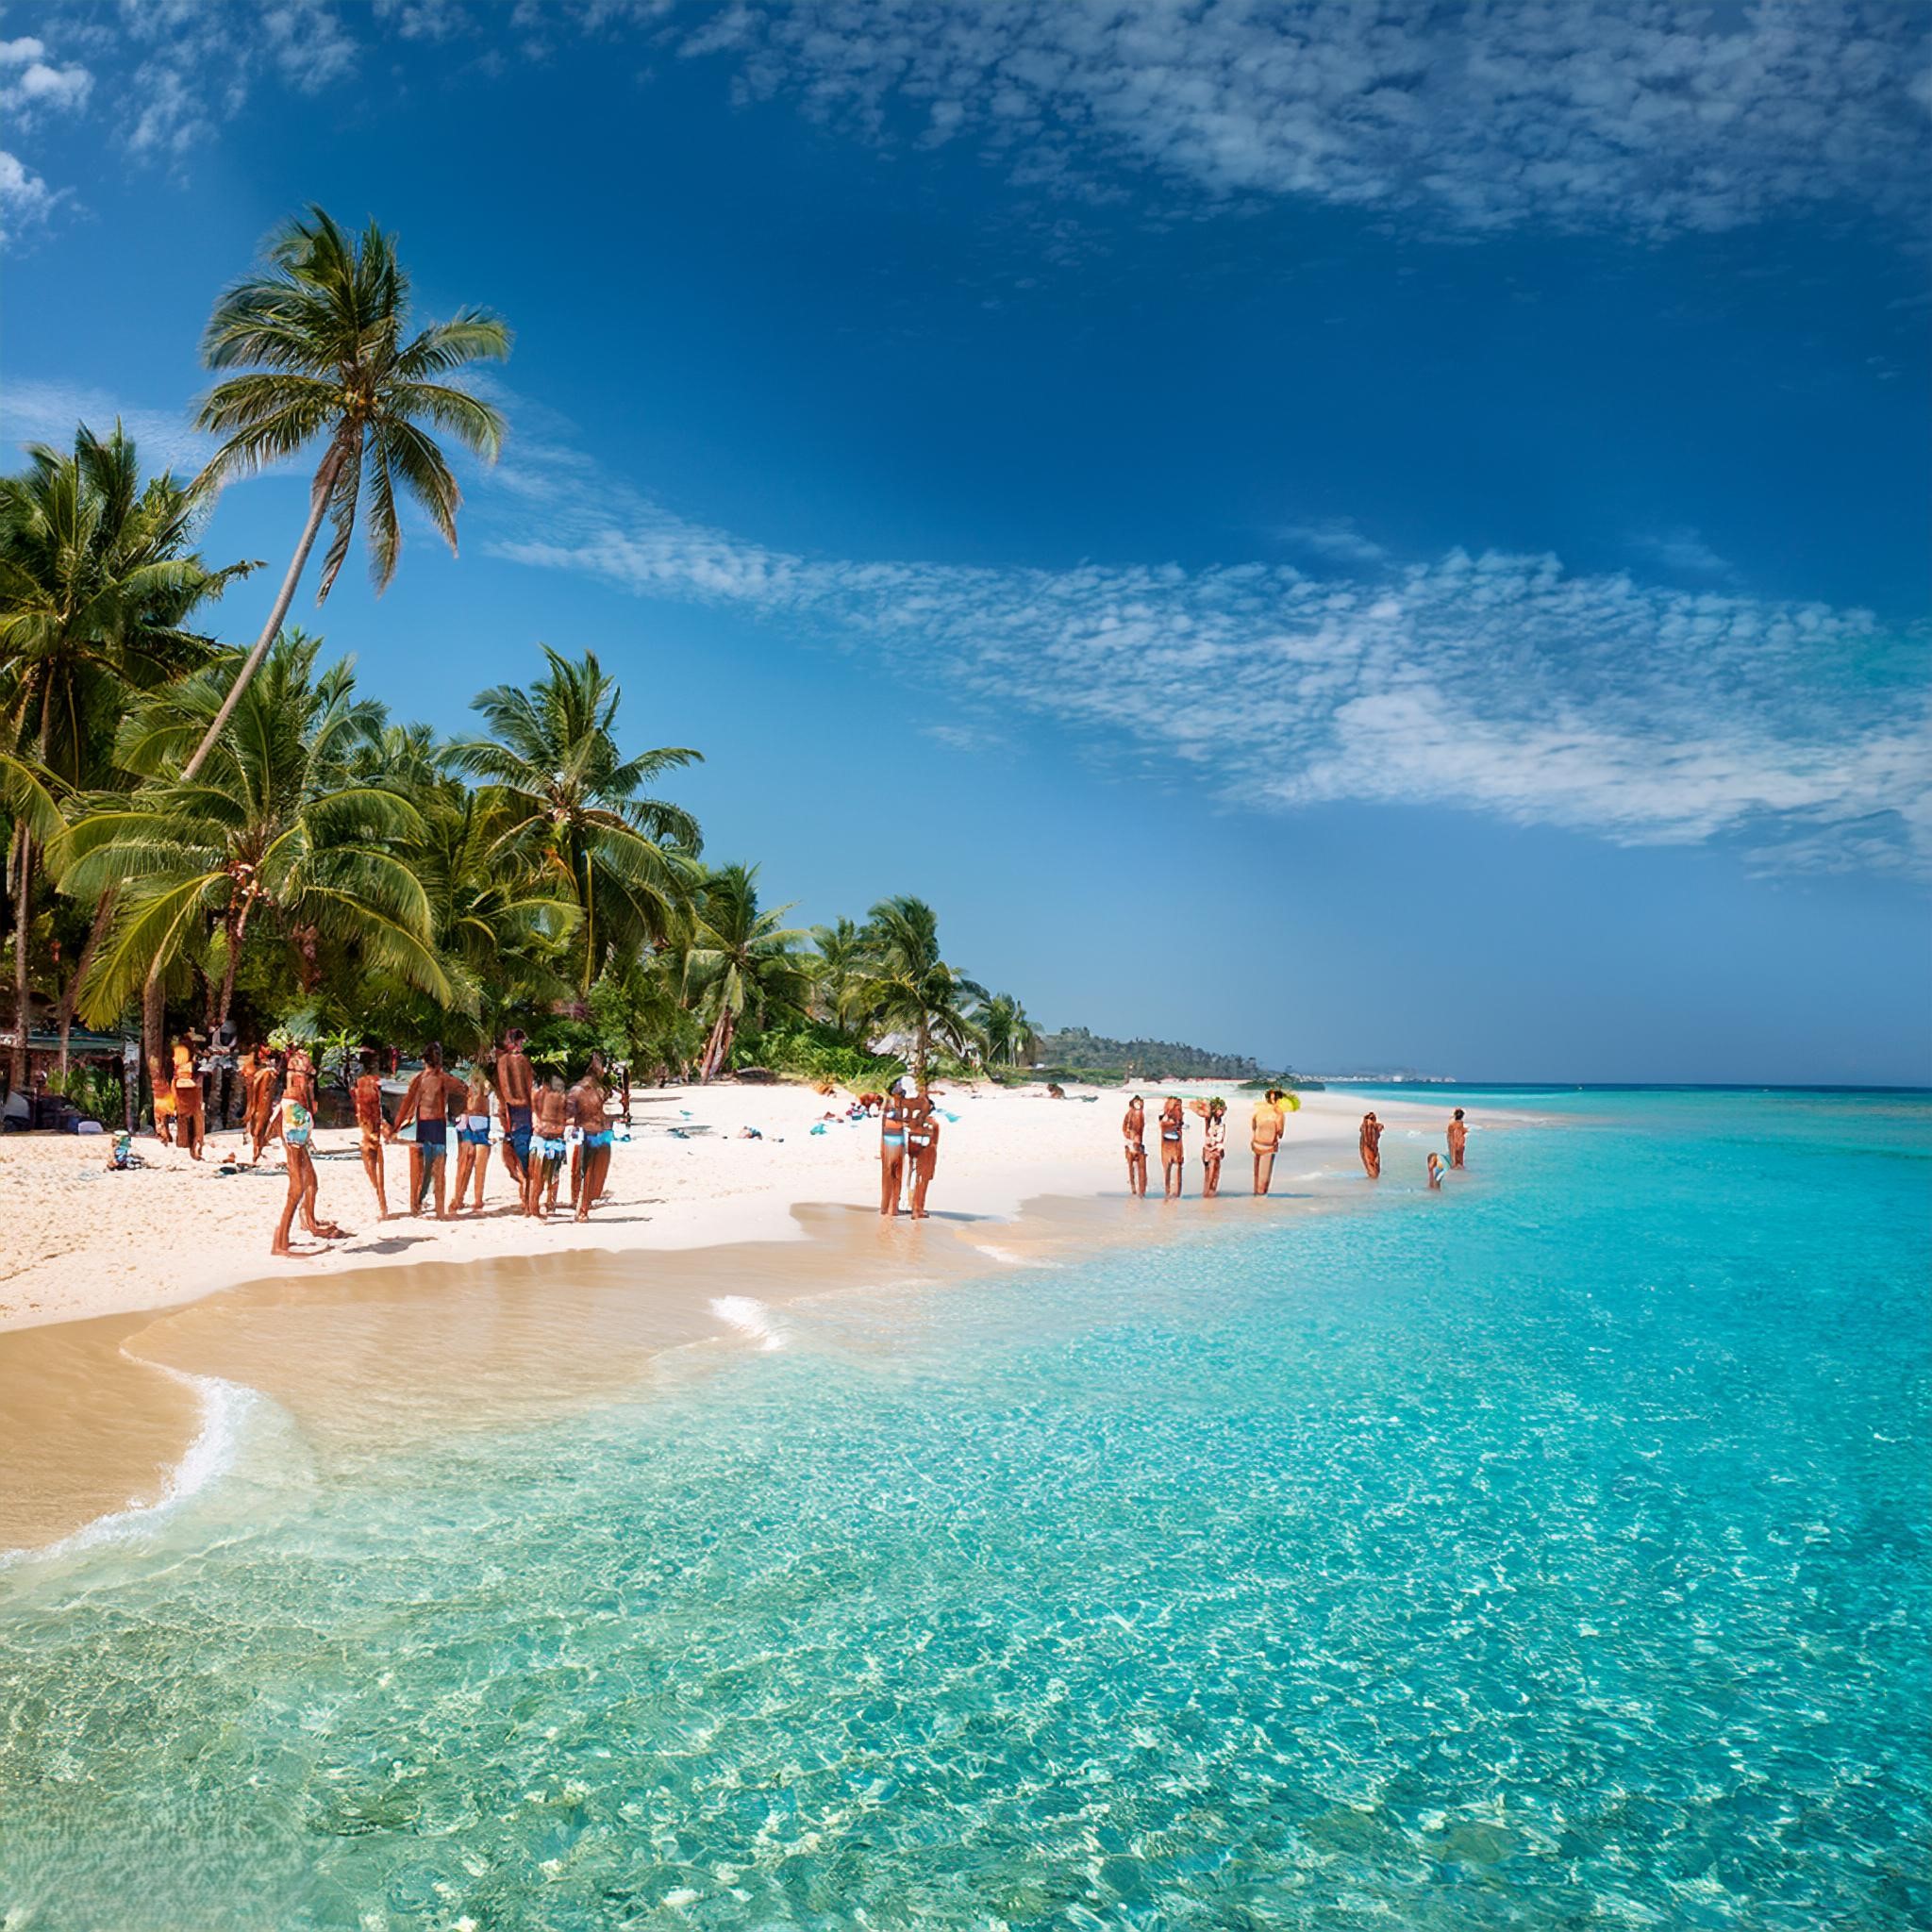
1549,1551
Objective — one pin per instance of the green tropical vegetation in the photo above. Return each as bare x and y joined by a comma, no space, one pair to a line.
195,833
1074,1053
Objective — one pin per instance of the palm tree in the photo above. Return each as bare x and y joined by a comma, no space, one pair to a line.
277,826
97,581
741,958
327,320
1008,1034
838,970
568,804
909,988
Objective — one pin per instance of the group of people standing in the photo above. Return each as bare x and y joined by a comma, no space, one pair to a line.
1265,1130
908,1147
544,1129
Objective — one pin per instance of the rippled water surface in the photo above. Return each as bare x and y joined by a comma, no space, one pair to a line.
1551,1554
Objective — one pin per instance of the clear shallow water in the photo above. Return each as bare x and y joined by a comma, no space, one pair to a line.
1550,1555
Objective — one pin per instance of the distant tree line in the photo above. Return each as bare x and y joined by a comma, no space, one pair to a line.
1073,1049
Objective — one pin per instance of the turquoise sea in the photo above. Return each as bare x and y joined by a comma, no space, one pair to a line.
1552,1553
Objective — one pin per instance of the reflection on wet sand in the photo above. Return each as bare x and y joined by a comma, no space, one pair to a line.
100,1414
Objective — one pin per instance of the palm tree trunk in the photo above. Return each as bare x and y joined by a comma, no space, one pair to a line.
153,1046
717,1046
70,993
22,924
919,1055
320,493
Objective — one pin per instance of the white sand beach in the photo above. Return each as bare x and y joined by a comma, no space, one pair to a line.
79,1242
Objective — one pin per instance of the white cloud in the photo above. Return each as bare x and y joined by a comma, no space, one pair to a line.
24,198
1642,116
1578,113
50,411
1334,538
30,84
1503,684
1682,550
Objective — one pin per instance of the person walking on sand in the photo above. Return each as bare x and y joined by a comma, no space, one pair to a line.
472,1138
589,1099
1369,1142
373,1129
433,1096
1265,1141
893,1118
189,1126
923,1151
1173,1159
1459,1137
1133,1138
1214,1148
296,1125
516,1087
550,1111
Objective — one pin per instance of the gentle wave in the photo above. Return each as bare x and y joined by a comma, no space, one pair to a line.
751,1317
227,1409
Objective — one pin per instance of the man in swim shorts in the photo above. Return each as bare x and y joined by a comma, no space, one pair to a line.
587,1100
516,1085
375,1130
432,1098
550,1116
1214,1148
1265,1141
1369,1143
1134,1139
1459,1137
1173,1159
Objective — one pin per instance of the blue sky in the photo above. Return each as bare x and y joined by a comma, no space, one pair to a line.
1301,528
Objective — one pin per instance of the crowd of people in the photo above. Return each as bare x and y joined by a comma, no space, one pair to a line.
544,1129
1265,1129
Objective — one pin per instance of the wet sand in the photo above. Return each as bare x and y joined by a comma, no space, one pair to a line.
118,1413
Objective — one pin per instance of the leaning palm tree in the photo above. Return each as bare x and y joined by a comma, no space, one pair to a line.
568,804
909,988
98,578
742,960
277,830
326,324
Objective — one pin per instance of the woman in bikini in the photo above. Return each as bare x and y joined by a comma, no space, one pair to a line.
589,1100
373,1128
1213,1148
891,1150
1173,1167
1134,1135
472,1138
923,1150
296,1125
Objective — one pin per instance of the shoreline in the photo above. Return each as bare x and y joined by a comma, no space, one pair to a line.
114,1403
